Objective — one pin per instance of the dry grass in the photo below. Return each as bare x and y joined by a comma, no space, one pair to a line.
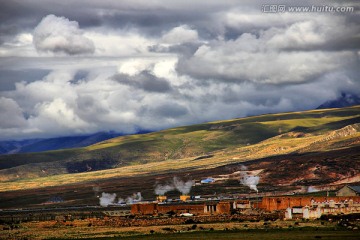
80,229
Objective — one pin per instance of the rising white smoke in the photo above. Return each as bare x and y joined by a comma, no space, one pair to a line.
162,189
107,198
249,180
121,201
183,187
136,197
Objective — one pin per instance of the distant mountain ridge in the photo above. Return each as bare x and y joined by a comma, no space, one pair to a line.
41,145
49,144
226,141
12,146
345,100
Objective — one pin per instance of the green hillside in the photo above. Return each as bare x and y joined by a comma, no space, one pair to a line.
221,142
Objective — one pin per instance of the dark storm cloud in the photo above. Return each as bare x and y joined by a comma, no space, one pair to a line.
149,17
6,32
149,22
145,81
17,16
89,105
168,110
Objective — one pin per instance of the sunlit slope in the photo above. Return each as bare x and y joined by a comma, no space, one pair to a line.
205,138
289,146
237,139
221,134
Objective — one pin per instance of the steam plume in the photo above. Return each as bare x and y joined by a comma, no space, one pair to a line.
107,198
136,197
183,187
249,180
162,189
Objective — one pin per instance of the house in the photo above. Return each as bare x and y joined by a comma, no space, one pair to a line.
348,191
208,180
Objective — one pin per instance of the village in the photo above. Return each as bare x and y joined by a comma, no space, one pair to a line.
347,201
283,207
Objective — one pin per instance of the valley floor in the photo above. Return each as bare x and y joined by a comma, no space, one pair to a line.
82,229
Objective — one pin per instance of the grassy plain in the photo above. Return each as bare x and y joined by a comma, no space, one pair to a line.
80,229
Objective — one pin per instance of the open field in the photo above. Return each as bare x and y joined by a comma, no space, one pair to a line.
256,235
82,229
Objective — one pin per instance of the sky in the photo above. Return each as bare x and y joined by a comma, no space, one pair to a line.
84,66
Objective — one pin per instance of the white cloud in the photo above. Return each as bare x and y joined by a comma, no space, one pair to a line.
98,103
20,45
11,114
179,35
261,58
57,114
302,34
57,83
60,35
119,43
134,66
133,69
251,19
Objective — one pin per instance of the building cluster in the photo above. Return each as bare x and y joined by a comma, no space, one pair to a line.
347,201
312,207
307,207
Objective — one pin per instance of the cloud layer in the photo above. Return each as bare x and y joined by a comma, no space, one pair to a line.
131,65
59,35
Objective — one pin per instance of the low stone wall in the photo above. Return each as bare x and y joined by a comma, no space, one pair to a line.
284,202
207,208
156,209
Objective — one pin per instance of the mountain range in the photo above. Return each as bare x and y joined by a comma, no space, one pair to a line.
287,151
345,100
41,145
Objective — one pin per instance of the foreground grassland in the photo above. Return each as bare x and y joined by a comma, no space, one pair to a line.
256,235
234,230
